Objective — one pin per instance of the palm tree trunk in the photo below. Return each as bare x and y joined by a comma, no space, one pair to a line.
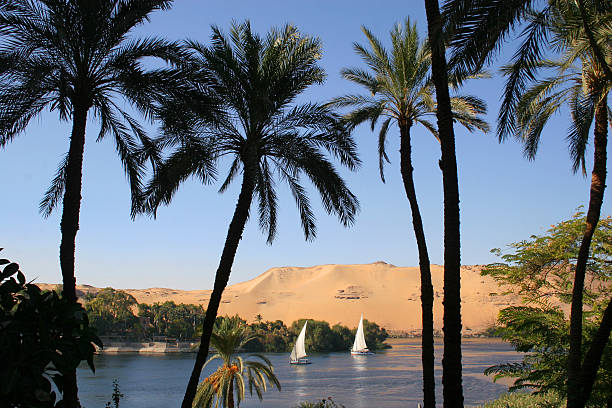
427,340
592,358
69,226
451,361
230,395
598,185
234,234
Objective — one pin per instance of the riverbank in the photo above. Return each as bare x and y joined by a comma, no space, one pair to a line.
153,347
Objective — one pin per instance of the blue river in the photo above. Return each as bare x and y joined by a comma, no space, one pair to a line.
388,379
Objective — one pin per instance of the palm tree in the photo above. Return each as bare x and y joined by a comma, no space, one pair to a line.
264,133
400,91
451,360
75,57
577,81
477,30
226,386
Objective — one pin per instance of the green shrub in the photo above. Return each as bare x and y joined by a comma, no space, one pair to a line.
524,400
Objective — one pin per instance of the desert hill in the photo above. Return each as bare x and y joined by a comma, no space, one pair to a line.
384,293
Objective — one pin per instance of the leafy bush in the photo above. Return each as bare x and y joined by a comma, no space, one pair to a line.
541,271
34,349
524,400
326,403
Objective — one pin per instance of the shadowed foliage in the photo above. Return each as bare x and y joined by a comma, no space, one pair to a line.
34,349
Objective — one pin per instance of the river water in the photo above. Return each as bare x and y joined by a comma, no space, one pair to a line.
388,379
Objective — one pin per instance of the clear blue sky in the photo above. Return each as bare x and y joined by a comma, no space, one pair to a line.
504,197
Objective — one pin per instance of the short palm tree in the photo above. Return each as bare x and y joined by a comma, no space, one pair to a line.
577,81
226,386
401,93
75,57
266,136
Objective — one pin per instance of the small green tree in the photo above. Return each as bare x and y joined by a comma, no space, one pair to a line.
111,311
541,270
226,386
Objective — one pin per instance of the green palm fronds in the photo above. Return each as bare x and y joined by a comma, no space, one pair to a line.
399,88
228,384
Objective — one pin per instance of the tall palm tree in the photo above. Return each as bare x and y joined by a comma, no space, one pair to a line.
451,360
75,57
226,386
400,92
575,80
477,29
266,135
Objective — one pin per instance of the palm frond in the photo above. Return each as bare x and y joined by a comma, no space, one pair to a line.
54,194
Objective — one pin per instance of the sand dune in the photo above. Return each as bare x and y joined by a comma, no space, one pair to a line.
386,294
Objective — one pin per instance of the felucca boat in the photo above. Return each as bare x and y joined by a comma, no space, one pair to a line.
298,354
360,348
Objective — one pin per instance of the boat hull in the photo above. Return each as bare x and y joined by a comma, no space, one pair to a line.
301,361
361,352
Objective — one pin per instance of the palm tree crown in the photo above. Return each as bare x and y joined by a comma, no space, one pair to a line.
256,80
400,89
574,79
228,383
72,56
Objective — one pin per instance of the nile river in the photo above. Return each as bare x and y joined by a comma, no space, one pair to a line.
390,378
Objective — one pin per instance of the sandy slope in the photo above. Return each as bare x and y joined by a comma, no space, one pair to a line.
386,294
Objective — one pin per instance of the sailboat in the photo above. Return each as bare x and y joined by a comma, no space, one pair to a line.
298,354
360,348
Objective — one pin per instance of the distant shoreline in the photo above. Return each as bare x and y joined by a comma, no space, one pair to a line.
157,347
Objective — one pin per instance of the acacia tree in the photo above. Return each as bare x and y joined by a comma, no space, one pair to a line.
541,270
580,32
264,133
75,57
400,91
451,361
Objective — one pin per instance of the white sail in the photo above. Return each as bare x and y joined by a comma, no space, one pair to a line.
299,349
360,343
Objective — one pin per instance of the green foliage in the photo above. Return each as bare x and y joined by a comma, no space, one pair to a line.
169,319
110,311
326,403
227,384
523,400
34,349
322,338
399,88
541,271
375,335
115,397
269,337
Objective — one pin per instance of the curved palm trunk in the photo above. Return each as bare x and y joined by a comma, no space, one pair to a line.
234,234
593,356
598,185
451,362
69,226
427,340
